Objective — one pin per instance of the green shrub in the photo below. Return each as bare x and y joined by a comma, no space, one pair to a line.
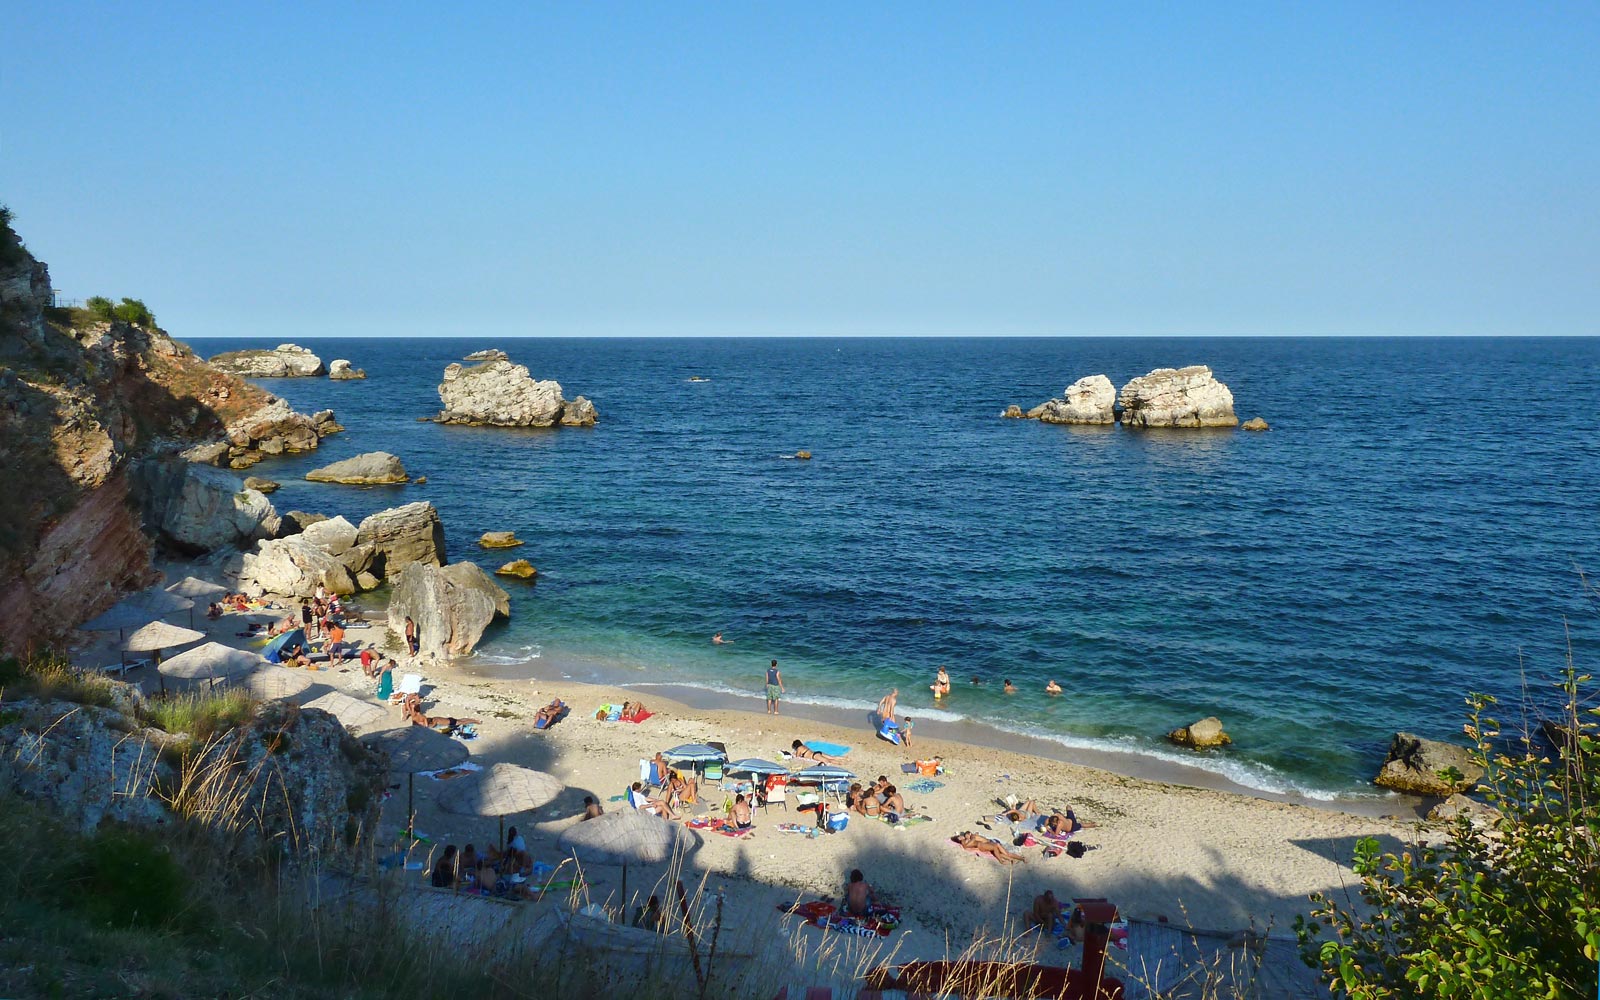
128,879
46,677
201,714
100,307
133,311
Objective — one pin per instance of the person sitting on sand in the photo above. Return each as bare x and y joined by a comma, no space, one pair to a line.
468,859
680,789
639,800
941,684
892,801
591,808
740,814
1052,688
1010,688
214,612
864,803
858,895
443,875
806,753
983,845
886,706
1045,912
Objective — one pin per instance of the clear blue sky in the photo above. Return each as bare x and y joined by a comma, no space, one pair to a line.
678,169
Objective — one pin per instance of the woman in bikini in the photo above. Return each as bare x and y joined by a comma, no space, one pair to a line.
980,845
412,709
806,753
941,684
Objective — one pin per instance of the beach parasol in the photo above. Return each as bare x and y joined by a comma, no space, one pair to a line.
213,660
755,765
502,790
352,713
122,615
161,602
830,777
625,837
694,753
416,748
196,589
272,683
158,635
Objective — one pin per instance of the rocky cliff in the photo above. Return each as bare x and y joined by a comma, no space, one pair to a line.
95,420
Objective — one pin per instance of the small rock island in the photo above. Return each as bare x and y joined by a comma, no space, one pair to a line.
498,393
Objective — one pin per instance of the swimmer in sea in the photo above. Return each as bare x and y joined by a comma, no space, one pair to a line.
941,684
718,640
1052,688
1010,687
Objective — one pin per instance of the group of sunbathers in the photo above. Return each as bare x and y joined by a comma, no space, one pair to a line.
1057,823
880,798
240,602
492,873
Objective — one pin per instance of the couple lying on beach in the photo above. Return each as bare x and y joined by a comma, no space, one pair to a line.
411,709
1058,823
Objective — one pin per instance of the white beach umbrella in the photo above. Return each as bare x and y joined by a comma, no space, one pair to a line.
122,615
213,660
416,748
160,601
158,635
624,837
502,790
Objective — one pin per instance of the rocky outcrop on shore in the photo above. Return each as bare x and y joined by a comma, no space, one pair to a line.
332,553
1090,400
403,535
1177,397
1201,735
375,468
1414,765
340,370
295,567
270,430
283,361
292,776
194,509
498,393
452,606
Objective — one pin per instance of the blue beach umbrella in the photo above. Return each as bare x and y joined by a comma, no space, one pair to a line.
274,650
755,765
822,774
694,753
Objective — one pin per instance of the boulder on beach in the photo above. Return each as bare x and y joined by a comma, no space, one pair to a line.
199,508
1414,765
497,393
1255,424
1200,735
1458,805
283,361
1090,400
452,605
520,568
400,536
260,485
499,540
295,567
1177,397
334,534
371,469
340,369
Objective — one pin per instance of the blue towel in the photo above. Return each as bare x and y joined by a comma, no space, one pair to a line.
923,786
831,749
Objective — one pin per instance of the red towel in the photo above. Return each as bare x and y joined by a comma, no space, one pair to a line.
637,717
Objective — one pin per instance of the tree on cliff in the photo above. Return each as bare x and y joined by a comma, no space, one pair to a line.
1506,909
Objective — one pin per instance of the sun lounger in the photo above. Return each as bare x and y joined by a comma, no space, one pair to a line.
125,666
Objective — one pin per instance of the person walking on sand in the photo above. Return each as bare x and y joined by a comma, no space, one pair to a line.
886,706
774,687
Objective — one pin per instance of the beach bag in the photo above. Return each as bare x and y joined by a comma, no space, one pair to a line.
928,768
1076,849
837,822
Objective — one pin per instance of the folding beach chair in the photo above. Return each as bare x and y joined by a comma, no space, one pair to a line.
775,792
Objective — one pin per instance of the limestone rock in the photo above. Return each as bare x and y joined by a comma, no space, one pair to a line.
520,568
324,423
1477,813
371,469
1255,424
403,535
295,567
1199,735
1182,397
1013,412
499,540
335,534
1413,766
1090,400
491,354
199,508
340,369
283,361
452,605
501,394
210,453
296,521
295,432
260,485
803,455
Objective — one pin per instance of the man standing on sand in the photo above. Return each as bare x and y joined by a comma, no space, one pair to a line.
412,643
774,687
886,706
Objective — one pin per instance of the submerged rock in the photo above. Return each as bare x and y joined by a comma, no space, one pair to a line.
1177,397
1255,424
520,568
283,361
371,469
452,605
501,394
260,485
1013,412
1413,765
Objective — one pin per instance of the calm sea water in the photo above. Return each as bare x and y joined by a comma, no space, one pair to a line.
1412,527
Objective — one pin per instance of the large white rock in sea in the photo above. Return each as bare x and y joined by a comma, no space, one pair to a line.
1177,397
498,393
1090,400
283,361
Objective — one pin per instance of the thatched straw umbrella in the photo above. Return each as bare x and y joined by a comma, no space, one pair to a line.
213,660
272,683
502,790
625,837
413,749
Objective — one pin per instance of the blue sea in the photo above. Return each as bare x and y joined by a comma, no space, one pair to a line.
1411,529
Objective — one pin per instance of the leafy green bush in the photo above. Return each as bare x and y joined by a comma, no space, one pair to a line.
129,879
201,714
135,312
1507,910
100,307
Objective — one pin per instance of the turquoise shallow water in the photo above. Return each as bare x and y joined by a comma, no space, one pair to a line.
1411,529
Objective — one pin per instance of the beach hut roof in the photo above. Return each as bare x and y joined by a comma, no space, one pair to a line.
755,765
417,748
160,635
196,588
212,659
626,836
500,791
694,752
353,713
271,682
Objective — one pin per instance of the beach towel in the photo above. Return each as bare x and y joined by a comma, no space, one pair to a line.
923,786
637,717
831,749
721,826
904,820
